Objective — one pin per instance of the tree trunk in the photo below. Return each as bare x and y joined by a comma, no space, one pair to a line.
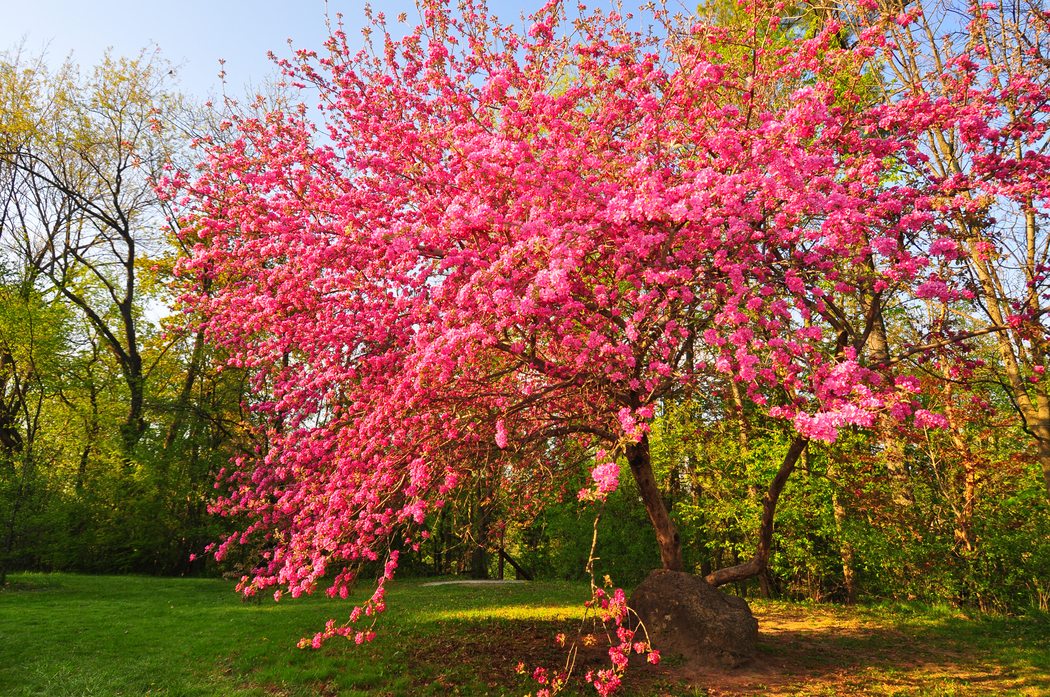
438,541
757,563
963,522
845,548
667,537
92,429
183,403
963,514
134,425
10,438
765,584
892,448
479,567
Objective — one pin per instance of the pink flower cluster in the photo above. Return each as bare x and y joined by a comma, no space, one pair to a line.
606,480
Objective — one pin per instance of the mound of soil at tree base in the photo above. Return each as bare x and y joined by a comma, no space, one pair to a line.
685,615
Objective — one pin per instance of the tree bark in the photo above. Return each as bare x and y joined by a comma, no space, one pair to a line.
892,448
183,403
758,562
667,537
963,514
92,430
479,567
845,548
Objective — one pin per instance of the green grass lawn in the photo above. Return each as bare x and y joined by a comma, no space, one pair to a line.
90,635
93,635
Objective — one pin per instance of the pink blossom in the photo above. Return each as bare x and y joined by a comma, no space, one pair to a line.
606,477
933,288
926,419
944,246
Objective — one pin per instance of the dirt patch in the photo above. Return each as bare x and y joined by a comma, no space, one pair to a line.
475,582
803,650
20,587
817,651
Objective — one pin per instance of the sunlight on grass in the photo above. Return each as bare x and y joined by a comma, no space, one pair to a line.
508,612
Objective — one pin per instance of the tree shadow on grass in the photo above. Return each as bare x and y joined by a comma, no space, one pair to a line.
802,651
491,651
839,651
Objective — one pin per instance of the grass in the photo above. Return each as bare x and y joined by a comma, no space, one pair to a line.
128,635
81,635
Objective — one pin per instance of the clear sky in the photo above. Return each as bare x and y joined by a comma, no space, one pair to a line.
194,33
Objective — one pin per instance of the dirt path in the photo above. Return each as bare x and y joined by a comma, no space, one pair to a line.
477,582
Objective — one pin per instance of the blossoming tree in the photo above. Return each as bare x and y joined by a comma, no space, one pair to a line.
503,246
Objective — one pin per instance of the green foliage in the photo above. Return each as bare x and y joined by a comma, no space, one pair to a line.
716,468
561,536
840,533
33,353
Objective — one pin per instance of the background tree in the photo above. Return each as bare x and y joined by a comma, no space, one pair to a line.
981,81
139,421
83,157
33,355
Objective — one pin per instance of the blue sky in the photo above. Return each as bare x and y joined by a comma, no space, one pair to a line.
194,33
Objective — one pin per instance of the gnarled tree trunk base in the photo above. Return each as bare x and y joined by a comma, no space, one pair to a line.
685,615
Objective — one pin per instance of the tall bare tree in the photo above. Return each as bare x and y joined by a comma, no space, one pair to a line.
80,158
991,63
